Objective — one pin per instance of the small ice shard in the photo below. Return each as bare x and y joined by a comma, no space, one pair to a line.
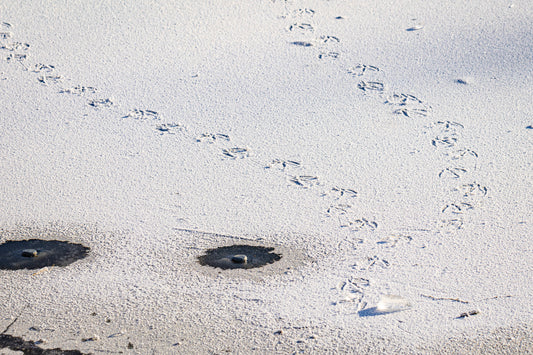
464,81
392,303
415,28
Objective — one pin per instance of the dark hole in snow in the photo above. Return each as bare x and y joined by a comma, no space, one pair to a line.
37,253
239,257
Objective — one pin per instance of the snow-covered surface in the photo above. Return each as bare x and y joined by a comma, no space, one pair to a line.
382,147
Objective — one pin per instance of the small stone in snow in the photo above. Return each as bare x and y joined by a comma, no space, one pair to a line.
29,253
239,259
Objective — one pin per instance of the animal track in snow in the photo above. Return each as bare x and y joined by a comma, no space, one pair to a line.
403,100
408,105
15,46
301,27
16,57
444,141
101,103
452,172
305,181
299,13
236,153
353,291
375,86
305,12
472,190
449,125
49,79
360,224
446,127
411,112
464,153
78,90
391,241
457,208
48,74
328,55
362,69
137,114
283,164
339,192
213,137
329,39
348,219
339,209
42,68
451,224
371,262
170,128
5,35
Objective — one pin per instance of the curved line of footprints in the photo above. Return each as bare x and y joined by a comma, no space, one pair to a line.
464,196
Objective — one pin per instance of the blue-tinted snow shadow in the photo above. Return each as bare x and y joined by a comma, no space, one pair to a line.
371,312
